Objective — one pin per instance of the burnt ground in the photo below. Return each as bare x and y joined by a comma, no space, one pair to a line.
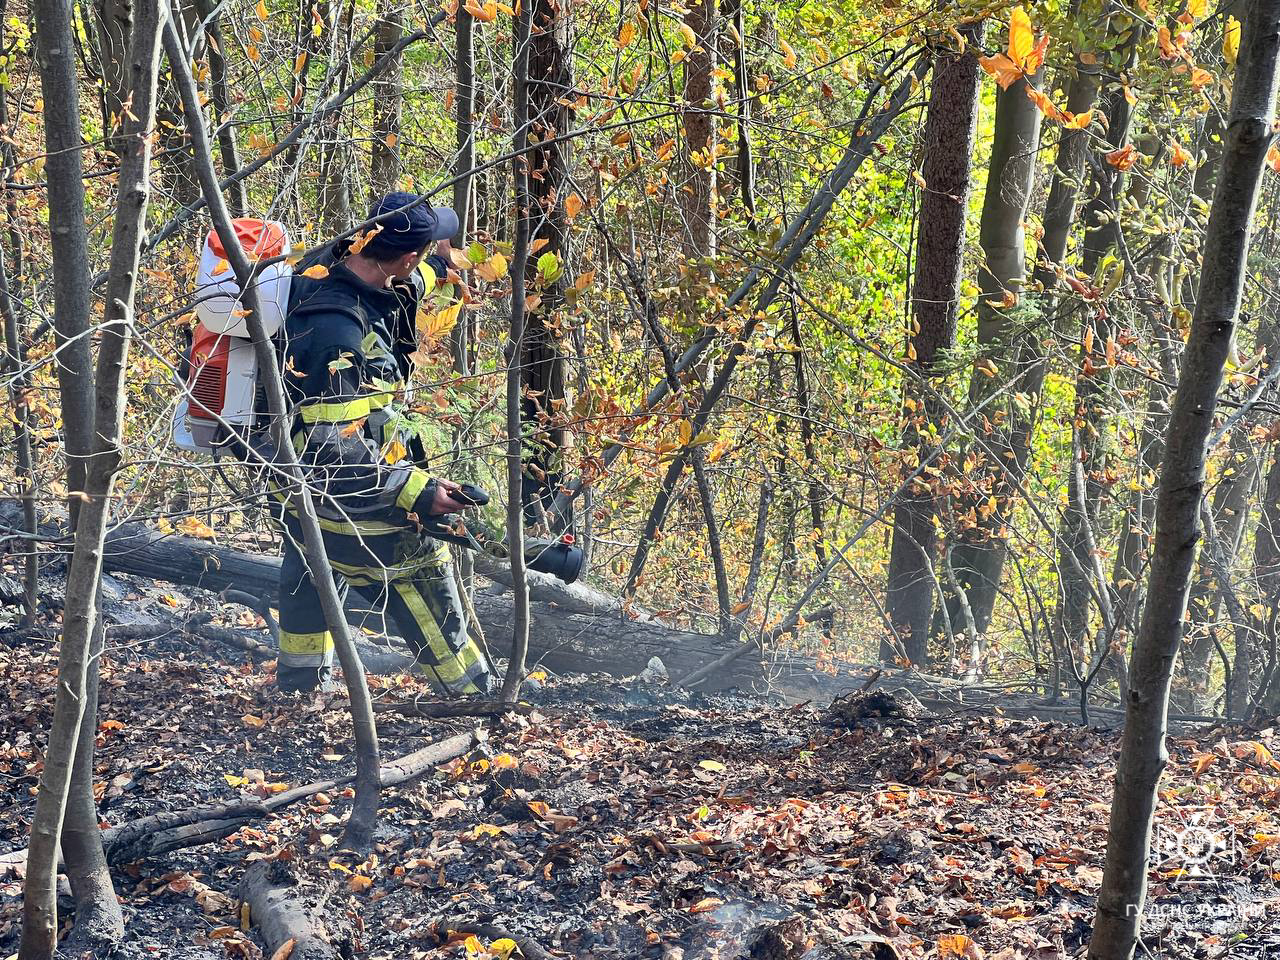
628,819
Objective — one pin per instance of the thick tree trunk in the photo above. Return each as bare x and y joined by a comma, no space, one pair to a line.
364,811
978,557
949,135
388,98
1143,755
697,196
543,358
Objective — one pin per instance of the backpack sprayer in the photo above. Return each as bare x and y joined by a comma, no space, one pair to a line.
559,558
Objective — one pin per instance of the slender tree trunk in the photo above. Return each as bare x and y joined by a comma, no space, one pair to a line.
978,557
220,96
735,14
364,812
1102,220
23,421
113,24
97,434
524,200
949,136
543,357
1143,754
1230,510
334,195
388,97
462,337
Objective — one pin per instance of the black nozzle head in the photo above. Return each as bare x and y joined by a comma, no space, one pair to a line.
559,559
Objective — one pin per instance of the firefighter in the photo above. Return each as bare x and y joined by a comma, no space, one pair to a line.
349,333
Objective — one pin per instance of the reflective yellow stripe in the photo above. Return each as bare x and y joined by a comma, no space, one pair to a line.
305,643
445,662
363,528
341,412
414,486
379,400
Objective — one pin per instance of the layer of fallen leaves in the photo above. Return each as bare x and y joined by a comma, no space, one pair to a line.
635,821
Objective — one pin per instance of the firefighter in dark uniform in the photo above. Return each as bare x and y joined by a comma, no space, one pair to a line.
349,334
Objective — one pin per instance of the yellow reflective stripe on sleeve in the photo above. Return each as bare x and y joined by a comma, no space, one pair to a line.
340,412
414,486
305,643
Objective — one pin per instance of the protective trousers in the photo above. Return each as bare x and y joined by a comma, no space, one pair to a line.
404,578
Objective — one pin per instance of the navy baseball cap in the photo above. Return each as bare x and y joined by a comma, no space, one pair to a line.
409,230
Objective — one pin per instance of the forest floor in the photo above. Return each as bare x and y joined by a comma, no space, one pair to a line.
631,819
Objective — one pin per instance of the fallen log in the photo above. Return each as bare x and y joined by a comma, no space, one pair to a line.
560,639
285,923
159,833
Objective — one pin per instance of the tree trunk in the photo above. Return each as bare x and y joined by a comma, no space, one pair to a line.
364,811
388,97
949,136
978,558
1231,499
543,359
71,739
1143,754
1102,220
220,96
515,381
697,196
113,23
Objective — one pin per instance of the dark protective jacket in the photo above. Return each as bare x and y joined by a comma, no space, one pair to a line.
346,362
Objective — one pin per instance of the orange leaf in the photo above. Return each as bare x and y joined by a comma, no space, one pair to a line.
1202,763
1273,159
1078,121
219,268
706,904
285,950
1124,158
1002,68
572,205
1178,156
317,272
1200,78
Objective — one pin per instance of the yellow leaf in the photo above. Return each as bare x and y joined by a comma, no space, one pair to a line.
1231,41
686,431
626,34
715,766
486,830
1197,8
504,761
261,10
473,944
688,36
435,326
195,527
235,781
493,269
394,452
503,947
1022,40
219,268
956,945
317,272
788,55
252,53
